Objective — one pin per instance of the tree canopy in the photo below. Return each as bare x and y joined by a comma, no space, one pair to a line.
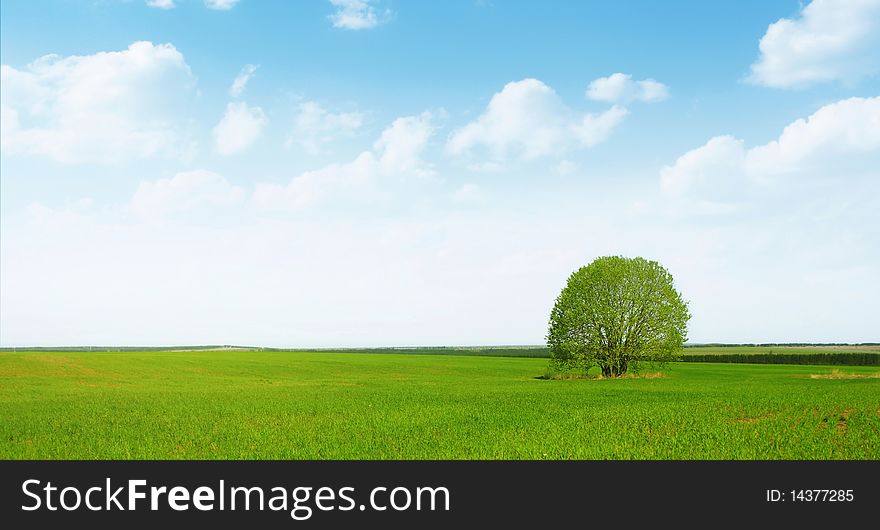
616,313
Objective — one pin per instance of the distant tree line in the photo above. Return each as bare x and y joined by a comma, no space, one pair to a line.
766,344
845,359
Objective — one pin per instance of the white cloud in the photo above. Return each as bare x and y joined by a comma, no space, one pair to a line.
241,80
106,107
221,5
311,186
714,170
620,88
315,127
832,138
356,14
528,119
468,193
184,192
161,4
239,128
831,40
840,140
466,276
525,116
566,167
486,166
397,153
401,145
652,90
595,128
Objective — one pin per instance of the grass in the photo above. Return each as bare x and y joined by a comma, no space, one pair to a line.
308,405
595,374
837,374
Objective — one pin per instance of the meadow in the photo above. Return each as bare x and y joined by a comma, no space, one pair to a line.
228,404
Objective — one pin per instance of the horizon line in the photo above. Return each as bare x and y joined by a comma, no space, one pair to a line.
88,347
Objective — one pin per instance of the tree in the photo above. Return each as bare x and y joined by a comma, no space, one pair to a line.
615,313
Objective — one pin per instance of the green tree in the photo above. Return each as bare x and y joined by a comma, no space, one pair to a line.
615,313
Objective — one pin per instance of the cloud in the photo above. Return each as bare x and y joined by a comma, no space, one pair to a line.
184,192
401,145
220,5
161,4
396,153
467,194
465,276
314,127
595,128
830,40
620,88
566,167
241,80
486,166
239,128
529,120
839,141
108,107
714,170
311,186
356,14
831,140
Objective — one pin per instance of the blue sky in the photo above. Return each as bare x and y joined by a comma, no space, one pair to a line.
405,173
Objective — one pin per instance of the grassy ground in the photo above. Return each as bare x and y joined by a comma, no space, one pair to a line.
233,404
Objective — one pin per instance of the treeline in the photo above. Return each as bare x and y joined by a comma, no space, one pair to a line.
767,344
847,359
828,358
127,348
477,351
497,351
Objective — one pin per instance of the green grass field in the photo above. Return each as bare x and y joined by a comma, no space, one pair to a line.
308,405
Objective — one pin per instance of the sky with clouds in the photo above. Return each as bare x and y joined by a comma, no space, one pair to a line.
391,173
